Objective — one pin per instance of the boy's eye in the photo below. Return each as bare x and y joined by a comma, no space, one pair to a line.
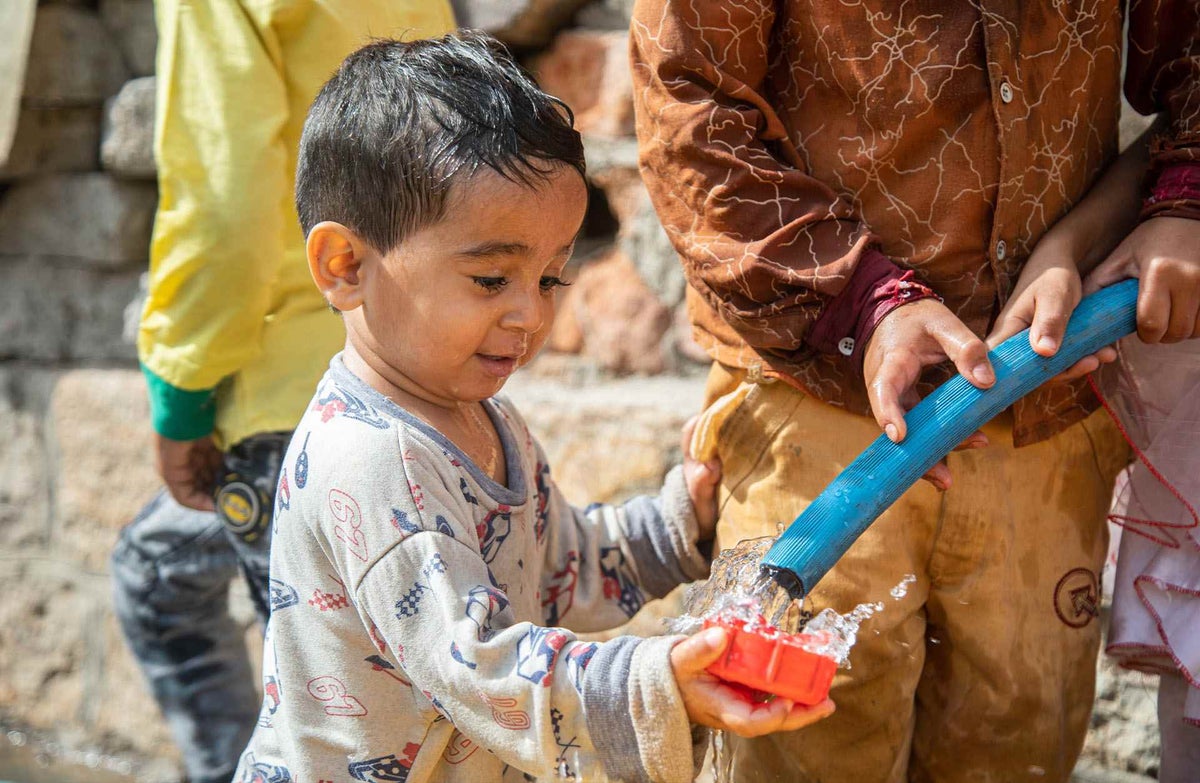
549,283
491,283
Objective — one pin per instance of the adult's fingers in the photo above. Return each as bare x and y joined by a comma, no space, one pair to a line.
939,476
967,351
888,388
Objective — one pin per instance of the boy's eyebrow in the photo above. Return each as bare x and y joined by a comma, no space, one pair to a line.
495,248
498,248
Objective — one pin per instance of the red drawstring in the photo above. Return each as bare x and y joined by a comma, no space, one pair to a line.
1121,519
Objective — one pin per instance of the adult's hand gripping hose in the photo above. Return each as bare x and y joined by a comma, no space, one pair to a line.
885,470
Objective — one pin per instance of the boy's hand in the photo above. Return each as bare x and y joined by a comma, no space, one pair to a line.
1164,253
189,469
906,341
1046,293
702,479
710,702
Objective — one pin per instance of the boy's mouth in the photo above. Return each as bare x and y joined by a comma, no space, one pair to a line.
499,366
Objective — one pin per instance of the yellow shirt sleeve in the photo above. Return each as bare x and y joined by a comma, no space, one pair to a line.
219,234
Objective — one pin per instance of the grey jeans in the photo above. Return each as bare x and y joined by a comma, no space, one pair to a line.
171,572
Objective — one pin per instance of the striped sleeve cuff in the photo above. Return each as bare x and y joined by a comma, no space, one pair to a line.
635,714
179,414
661,534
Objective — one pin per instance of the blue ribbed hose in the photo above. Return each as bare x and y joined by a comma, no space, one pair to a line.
881,474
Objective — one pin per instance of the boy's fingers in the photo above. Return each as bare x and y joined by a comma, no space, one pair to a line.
1005,328
801,716
1050,316
685,441
1113,269
1153,310
1184,304
695,653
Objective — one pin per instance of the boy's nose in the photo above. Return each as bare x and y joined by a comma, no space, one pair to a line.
527,312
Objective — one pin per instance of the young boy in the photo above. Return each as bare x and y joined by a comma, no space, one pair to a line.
420,544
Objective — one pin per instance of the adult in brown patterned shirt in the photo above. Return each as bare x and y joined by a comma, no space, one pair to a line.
824,168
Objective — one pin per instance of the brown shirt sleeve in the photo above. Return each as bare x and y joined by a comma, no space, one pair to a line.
1163,73
763,242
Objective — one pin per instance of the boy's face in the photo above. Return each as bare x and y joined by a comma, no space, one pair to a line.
450,314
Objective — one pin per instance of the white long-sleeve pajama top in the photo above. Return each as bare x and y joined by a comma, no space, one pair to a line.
418,611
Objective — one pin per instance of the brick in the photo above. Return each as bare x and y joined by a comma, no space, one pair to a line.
109,219
51,141
54,312
73,60
131,24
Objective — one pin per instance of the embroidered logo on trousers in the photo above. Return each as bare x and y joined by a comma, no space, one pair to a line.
1077,597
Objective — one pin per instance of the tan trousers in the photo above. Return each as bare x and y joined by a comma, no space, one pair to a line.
985,670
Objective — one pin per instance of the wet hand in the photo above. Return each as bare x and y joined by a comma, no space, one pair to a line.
907,340
189,469
710,702
1164,254
702,480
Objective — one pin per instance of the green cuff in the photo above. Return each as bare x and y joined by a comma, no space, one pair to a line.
178,414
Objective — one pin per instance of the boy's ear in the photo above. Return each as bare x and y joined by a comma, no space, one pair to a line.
335,258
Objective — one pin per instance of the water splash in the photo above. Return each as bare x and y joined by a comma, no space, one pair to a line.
739,589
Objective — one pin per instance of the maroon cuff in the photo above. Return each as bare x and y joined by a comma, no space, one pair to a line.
1176,193
876,288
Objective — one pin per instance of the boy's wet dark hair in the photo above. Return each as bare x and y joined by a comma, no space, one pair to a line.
399,122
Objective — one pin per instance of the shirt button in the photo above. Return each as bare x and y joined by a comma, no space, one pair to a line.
1001,250
846,346
1006,92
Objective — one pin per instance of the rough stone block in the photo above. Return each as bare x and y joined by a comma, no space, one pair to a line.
49,141
131,23
622,322
519,23
24,475
73,60
104,471
109,219
612,167
56,312
127,146
589,70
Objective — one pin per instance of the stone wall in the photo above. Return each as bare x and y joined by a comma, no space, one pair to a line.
77,197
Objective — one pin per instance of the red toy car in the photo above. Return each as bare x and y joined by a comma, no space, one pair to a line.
767,661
